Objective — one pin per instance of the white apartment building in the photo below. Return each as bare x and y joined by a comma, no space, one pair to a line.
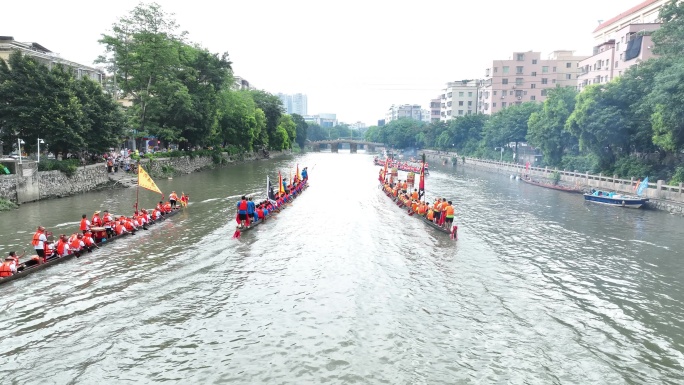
525,77
621,42
435,109
241,83
48,58
395,112
294,103
459,98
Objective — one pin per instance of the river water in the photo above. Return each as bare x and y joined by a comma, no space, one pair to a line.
343,288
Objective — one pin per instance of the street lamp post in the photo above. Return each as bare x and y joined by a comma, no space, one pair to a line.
502,151
19,143
39,142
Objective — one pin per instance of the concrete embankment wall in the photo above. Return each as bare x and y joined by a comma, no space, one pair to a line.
662,196
29,184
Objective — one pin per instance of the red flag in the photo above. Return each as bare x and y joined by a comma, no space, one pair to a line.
296,178
237,218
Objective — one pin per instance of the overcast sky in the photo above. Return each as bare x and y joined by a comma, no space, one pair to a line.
353,58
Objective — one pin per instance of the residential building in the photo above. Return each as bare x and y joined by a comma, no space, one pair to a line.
241,84
425,116
48,58
395,112
459,98
358,125
621,42
435,106
294,103
323,120
526,77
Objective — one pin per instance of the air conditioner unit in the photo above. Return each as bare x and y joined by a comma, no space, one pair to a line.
503,97
519,97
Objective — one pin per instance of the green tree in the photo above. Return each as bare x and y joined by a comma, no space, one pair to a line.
315,132
287,124
302,128
103,119
467,132
143,52
546,128
509,125
669,38
272,107
237,121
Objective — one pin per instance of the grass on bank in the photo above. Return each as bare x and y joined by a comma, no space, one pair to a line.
7,205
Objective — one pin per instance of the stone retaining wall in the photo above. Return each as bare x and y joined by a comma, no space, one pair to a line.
8,187
661,196
55,184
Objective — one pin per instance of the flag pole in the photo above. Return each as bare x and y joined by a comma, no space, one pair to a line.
137,189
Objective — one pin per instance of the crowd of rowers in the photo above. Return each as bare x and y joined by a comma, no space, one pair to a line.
96,230
440,212
249,212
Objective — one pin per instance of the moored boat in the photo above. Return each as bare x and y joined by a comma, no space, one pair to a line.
551,186
614,199
57,260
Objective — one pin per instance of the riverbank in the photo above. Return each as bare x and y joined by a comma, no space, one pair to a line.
30,185
661,196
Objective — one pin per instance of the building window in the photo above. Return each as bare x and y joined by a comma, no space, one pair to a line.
487,72
470,94
505,69
568,65
510,92
518,103
504,81
460,112
554,69
534,73
496,69
503,104
519,70
449,104
460,102
494,93
543,92
518,81
449,95
460,94
533,85
545,81
545,69
493,104
449,113
470,103
520,57
518,93
534,61
486,106
568,76
553,81
533,97
616,64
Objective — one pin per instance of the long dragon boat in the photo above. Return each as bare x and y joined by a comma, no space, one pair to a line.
451,232
57,260
271,196
531,181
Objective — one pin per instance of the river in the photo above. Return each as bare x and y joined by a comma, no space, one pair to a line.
345,288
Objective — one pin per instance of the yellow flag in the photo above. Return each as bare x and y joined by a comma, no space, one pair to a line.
145,181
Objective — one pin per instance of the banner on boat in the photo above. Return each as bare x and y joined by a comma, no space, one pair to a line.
643,186
145,181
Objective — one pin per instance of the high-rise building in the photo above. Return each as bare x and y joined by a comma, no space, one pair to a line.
525,78
621,42
435,106
459,98
294,103
412,111
323,120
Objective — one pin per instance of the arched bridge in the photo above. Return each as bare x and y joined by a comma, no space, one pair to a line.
353,144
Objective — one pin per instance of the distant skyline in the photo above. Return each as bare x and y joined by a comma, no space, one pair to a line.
356,58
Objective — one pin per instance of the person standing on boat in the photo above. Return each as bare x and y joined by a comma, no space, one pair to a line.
85,223
39,240
173,198
251,210
242,207
449,213
305,174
